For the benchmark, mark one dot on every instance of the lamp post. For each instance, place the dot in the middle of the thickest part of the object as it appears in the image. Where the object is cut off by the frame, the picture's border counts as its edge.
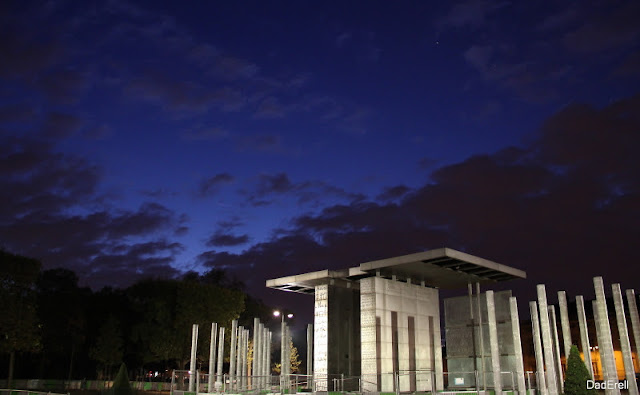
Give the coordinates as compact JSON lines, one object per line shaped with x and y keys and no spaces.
{"x":284,"y":343}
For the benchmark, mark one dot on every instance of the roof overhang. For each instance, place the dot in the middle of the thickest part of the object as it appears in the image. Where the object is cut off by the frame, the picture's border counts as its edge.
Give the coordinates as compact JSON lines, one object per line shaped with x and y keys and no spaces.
{"x":440,"y":268}
{"x":443,"y":268}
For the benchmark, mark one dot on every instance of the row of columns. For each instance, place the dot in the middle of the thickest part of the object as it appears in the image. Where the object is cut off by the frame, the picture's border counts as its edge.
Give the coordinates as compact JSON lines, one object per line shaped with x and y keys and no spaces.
{"x":238,"y":358}
{"x":547,"y":347}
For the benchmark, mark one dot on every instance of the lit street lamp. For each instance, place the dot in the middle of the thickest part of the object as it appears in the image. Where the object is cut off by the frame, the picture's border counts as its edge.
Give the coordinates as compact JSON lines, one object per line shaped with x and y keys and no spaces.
{"x":284,"y":354}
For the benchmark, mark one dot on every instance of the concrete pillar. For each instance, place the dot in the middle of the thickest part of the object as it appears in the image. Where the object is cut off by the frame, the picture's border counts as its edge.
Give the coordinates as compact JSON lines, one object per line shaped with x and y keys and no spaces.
{"x":257,"y":355}
{"x":268,"y":363}
{"x":232,"y":353}
{"x":483,"y":370}
{"x":265,"y":356}
{"x":239,"y":357}
{"x":537,"y":347}
{"x":493,"y":343}
{"x":309,"y":351}
{"x":245,"y":350}
{"x":556,"y":347}
{"x":517,"y":345}
{"x":192,"y":364}
{"x":283,"y":353}
{"x":584,"y":334}
{"x":212,"y":356}
{"x":635,"y":321}
{"x":547,"y":342}
{"x":606,"y":346}
{"x":220,"y":358}
{"x":254,"y":370}
{"x":625,"y":345}
{"x":564,"y":322}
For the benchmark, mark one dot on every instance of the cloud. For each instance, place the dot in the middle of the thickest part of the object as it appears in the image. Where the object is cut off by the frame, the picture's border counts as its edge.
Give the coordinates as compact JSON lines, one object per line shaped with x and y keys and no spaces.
{"x":54,"y":212}
{"x":60,"y":125}
{"x":219,"y":239}
{"x":63,"y":86}
{"x":211,"y":185}
{"x":469,"y":13}
{"x":608,"y":29}
{"x":567,"y":203}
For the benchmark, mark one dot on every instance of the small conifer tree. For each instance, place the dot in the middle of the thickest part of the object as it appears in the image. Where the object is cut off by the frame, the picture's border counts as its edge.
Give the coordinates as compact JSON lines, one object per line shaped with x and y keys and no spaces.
{"x":121,"y":385}
{"x":575,"y":382}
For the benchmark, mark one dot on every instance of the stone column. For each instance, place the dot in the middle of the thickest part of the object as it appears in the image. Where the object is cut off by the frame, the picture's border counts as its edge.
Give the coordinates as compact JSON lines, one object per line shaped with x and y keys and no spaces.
{"x":606,"y":346}
{"x":258,"y":352}
{"x":192,"y":364}
{"x":556,"y":346}
{"x":254,"y":370}
{"x":483,"y":370}
{"x":309,"y":351}
{"x":320,"y":337}
{"x":584,"y":334}
{"x":547,"y":342}
{"x":537,"y":347}
{"x":219,"y":378}
{"x":268,"y":363}
{"x":517,"y":345}
{"x":245,"y":350}
{"x":212,"y":357}
{"x":625,"y":345}
{"x":564,"y":322}
{"x":493,"y":343}
{"x":239,"y":358}
{"x":635,"y":321}
{"x":232,"y":353}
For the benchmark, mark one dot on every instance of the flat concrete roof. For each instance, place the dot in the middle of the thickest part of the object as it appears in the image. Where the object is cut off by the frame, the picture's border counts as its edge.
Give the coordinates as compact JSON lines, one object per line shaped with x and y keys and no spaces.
{"x":440,"y":268}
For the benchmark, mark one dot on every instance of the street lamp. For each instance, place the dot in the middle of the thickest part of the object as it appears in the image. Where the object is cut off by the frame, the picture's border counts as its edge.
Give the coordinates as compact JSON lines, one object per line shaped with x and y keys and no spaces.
{"x":284,"y":352}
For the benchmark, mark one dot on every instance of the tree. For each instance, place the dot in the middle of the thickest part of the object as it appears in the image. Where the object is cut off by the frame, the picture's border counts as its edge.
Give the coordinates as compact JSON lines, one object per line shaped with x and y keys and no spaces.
{"x":121,"y":385}
{"x":294,"y":360}
{"x":62,"y":313}
{"x":577,"y":375}
{"x":19,"y":330}
{"x":108,"y":349}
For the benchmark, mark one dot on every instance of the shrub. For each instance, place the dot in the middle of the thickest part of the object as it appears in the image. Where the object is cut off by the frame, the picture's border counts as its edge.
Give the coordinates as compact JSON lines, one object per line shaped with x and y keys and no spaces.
{"x":577,"y":375}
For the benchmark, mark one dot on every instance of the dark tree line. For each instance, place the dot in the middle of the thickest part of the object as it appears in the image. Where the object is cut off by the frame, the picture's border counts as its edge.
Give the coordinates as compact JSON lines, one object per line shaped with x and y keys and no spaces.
{"x":51,"y":328}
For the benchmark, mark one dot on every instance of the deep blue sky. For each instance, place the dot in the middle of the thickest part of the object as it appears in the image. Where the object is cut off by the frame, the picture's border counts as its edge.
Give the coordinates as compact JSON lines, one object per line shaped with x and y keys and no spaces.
{"x":272,"y":138}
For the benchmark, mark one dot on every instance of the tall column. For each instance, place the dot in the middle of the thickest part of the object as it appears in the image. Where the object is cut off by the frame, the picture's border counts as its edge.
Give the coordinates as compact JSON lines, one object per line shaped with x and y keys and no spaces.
{"x":283,"y":335}
{"x":257,"y":354}
{"x":219,"y":378}
{"x":606,"y":346}
{"x":232,"y":353}
{"x":556,"y":346}
{"x":254,"y":370}
{"x":537,"y":347}
{"x":239,"y":358}
{"x":584,"y":334}
{"x":481,"y":340}
{"x":564,"y":322}
{"x":245,"y":351}
{"x":309,"y":351}
{"x":192,"y":364}
{"x":265,"y":356}
{"x":635,"y":321}
{"x":267,"y":365}
{"x":212,"y":357}
{"x":547,"y":342}
{"x":493,"y":343}
{"x":517,"y":345}
{"x":625,"y":345}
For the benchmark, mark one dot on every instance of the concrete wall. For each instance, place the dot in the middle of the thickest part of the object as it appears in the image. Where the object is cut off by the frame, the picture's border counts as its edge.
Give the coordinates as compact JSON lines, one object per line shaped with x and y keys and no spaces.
{"x":336,"y":334}
{"x":390,"y":312}
{"x":463,"y":343}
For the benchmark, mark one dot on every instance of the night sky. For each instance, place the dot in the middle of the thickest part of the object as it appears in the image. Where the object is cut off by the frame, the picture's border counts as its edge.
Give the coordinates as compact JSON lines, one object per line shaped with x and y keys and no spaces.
{"x":273,"y":138}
